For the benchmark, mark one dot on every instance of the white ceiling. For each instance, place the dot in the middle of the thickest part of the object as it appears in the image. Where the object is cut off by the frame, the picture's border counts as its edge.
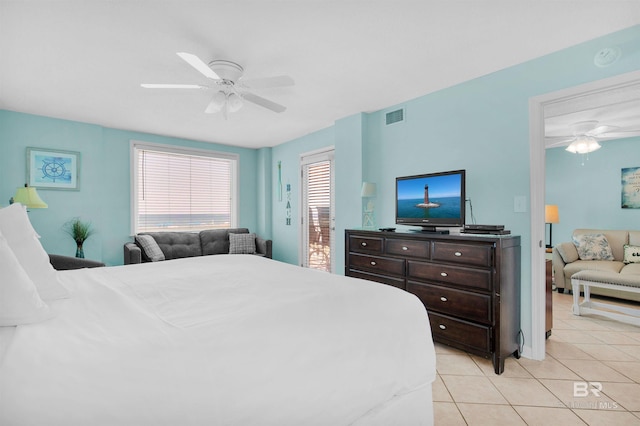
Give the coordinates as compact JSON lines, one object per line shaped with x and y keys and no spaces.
{"x":84,"y":60}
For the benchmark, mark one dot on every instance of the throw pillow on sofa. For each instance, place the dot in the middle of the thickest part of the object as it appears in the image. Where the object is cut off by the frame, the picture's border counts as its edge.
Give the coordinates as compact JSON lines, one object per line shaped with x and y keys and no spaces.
{"x":150,"y":247}
{"x":593,"y":247}
{"x":631,"y":254}
{"x":242,"y":243}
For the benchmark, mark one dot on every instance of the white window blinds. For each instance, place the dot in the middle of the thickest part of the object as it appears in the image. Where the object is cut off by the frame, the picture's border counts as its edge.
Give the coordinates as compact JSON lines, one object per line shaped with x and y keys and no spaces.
{"x":317,"y":193}
{"x":182,"y":190}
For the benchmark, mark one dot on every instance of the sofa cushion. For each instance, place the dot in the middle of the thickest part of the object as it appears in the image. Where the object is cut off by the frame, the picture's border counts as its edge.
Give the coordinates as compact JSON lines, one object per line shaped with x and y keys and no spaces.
{"x":593,"y":247}
{"x":242,"y":243}
{"x":631,"y":254}
{"x":150,"y":248}
{"x":176,"y":245}
{"x":216,"y":241}
{"x":634,"y":238}
{"x":598,"y":265}
{"x":631,"y":269}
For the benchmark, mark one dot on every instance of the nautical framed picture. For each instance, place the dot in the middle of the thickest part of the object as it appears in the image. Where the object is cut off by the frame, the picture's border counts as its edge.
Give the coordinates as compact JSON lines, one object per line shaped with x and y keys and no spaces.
{"x":630,"y":188}
{"x":53,"y":169}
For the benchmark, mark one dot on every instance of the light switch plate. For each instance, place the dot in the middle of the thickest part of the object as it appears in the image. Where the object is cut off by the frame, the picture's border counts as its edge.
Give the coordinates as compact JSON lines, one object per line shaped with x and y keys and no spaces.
{"x":520,"y":204}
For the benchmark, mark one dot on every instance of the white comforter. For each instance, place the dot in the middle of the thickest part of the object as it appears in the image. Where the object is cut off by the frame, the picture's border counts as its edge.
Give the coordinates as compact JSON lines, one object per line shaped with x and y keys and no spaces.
{"x":216,"y":340}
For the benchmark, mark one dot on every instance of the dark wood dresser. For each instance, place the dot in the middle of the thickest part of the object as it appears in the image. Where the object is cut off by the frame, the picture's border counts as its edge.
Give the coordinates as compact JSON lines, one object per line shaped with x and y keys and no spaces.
{"x":470,"y":284}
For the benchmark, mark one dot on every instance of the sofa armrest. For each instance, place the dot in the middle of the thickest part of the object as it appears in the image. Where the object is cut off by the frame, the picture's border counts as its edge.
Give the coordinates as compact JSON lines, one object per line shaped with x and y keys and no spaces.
{"x":263,"y":247}
{"x":62,"y":263}
{"x":132,"y":254}
{"x":563,"y":254}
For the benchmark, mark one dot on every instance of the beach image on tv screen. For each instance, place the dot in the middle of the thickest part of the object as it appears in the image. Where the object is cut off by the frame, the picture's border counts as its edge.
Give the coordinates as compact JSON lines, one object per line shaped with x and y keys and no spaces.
{"x":429,"y":197}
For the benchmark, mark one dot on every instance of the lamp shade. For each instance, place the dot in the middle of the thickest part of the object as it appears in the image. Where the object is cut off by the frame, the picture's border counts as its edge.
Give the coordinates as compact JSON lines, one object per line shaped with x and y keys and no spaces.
{"x":28,"y":196}
{"x":368,"y":190}
{"x":551,"y":214}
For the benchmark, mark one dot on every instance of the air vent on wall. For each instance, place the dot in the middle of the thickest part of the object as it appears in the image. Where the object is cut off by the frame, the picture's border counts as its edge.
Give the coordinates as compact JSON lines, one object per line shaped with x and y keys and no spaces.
{"x":395,"y":116}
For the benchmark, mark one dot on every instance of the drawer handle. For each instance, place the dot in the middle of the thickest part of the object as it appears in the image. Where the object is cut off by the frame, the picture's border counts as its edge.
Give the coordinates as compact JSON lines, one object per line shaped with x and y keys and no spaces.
{"x":373,"y":263}
{"x":442,"y":327}
{"x":443,"y":274}
{"x":458,"y":254}
{"x":442,"y":298}
{"x":405,"y":248}
{"x":363,"y":244}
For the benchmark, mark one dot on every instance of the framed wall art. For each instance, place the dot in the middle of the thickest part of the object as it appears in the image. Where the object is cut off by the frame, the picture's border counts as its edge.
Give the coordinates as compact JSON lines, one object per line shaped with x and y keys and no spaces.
{"x":630,"y":188}
{"x":53,"y":169}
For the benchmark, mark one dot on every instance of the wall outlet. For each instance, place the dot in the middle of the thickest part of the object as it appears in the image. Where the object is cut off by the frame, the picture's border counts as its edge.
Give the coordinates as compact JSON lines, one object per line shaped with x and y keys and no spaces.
{"x":520,"y":204}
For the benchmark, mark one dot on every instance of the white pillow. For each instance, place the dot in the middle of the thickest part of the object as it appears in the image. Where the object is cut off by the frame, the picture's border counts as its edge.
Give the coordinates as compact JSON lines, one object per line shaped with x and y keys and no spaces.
{"x":19,"y":299}
{"x":23,"y":241}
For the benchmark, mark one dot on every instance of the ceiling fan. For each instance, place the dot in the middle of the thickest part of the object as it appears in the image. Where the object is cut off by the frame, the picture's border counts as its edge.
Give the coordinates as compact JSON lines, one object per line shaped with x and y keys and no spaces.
{"x":231,"y":88}
{"x":586,"y":134}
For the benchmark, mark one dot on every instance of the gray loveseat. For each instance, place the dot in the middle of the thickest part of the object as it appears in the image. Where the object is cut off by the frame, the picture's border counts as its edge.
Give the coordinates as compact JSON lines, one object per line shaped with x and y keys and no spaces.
{"x":175,"y":245}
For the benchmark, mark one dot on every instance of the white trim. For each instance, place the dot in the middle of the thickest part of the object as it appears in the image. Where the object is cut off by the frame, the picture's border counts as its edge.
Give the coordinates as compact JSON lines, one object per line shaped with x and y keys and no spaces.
{"x":537,"y":107}
{"x":174,"y":149}
{"x":306,"y":158}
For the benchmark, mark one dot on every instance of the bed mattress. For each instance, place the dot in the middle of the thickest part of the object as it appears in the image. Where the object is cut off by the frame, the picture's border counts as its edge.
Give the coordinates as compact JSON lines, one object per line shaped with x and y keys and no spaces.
{"x":224,"y":340}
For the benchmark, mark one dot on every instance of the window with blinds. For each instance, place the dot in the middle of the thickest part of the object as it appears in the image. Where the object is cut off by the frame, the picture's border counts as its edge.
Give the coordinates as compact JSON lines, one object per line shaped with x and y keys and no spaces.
{"x":178,"y":189}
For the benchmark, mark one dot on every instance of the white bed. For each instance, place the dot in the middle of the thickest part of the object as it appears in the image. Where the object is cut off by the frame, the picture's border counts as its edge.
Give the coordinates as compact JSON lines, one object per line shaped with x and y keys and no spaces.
{"x":219,"y":340}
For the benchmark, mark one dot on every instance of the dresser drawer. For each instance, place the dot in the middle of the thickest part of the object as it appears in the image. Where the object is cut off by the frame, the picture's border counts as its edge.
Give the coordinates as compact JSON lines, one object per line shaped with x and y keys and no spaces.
{"x":467,"y":254}
{"x":380,"y":265}
{"x":459,"y":303}
{"x":396,"y":282}
{"x":407,"y":248}
{"x":447,"y":329}
{"x":434,"y":272}
{"x":365,"y":244}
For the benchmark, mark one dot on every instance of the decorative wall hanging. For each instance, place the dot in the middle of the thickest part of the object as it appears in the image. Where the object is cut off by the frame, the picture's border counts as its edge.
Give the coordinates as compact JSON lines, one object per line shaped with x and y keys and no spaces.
{"x":279,"y":180}
{"x":288,"y":208}
{"x":53,"y":169}
{"x":630,"y":188}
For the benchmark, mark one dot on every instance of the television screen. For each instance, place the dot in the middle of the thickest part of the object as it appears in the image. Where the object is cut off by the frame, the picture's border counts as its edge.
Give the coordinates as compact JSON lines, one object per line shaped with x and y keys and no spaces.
{"x":430,"y":200}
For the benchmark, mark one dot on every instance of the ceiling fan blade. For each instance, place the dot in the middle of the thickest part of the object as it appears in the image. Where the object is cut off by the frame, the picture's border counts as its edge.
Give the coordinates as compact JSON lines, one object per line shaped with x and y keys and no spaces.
{"x":601,"y":129}
{"x":265,"y":103}
{"x":554,"y":143}
{"x":620,"y":135}
{"x":172,"y":86}
{"x":198,"y":64}
{"x":267,"y":82}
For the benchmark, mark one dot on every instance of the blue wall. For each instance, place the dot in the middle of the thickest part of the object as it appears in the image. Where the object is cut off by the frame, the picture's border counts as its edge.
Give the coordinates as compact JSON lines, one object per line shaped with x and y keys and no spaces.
{"x":104,"y":195}
{"x":589,"y":195}
{"x":480,"y":125}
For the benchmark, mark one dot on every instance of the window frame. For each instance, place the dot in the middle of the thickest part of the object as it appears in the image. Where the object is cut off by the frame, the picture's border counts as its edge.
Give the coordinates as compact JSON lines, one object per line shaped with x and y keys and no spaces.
{"x":137,"y":146}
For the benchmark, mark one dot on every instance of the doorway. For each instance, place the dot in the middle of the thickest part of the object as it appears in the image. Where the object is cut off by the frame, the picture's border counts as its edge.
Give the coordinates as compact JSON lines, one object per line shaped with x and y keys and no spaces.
{"x":539,"y":107}
{"x":318,"y":210}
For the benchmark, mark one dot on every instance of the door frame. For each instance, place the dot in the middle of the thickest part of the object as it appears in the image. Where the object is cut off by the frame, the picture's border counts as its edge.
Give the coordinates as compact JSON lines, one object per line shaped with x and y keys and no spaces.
{"x":537,"y":107}
{"x":330,"y":150}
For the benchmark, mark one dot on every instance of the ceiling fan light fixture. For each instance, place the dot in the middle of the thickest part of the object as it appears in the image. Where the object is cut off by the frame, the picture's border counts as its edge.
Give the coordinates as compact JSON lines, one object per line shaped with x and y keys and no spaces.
{"x":217,"y":102}
{"x":234,"y":102}
{"x":583,"y":145}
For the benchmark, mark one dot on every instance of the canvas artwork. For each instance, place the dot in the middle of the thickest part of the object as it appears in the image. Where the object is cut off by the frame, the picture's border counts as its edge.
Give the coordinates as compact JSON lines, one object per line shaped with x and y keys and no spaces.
{"x":53,"y":169}
{"x":630,"y":188}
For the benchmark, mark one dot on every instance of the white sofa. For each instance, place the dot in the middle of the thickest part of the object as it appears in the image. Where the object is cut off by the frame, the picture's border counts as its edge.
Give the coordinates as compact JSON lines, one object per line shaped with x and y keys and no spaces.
{"x":567,"y":262}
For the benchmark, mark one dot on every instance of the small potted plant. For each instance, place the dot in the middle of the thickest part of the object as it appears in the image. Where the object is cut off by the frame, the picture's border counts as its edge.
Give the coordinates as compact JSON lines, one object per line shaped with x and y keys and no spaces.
{"x":79,"y":231}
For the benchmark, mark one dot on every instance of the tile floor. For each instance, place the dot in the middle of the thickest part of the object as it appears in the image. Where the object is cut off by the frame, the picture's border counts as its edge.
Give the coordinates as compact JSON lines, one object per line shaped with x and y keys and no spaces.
{"x":581,"y":350}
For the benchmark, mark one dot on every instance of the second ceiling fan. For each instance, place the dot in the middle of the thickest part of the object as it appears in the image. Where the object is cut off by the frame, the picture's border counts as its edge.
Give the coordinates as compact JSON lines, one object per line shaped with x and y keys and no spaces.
{"x":231,"y":88}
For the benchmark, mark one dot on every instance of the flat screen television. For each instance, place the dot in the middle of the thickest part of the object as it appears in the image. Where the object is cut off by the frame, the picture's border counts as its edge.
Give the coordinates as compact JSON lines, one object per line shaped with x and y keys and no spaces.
{"x":431,"y":200}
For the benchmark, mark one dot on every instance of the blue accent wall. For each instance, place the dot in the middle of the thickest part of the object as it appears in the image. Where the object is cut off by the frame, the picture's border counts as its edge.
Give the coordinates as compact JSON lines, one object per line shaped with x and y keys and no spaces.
{"x":589,"y":195}
{"x":480,"y":125}
{"x":104,"y":195}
